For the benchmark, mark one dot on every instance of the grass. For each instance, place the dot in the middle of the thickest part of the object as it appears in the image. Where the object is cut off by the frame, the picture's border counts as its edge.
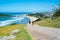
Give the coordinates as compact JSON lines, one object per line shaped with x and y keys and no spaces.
{"x":22,"y":35}
{"x":55,"y":23}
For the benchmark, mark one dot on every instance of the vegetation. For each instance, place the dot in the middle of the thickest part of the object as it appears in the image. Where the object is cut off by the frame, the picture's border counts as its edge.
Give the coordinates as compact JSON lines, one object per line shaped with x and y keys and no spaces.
{"x":49,"y":23}
{"x":56,"y":12}
{"x":48,"y":19}
{"x":22,"y":35}
{"x":54,"y":21}
{"x":40,"y":16}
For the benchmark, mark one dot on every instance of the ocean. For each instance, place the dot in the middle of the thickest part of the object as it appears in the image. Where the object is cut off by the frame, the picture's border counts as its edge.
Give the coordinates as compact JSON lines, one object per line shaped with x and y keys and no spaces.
{"x":18,"y":18}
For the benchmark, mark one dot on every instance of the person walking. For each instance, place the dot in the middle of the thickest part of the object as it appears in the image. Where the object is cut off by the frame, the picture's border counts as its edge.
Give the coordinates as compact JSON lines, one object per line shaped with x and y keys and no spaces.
{"x":32,"y":19}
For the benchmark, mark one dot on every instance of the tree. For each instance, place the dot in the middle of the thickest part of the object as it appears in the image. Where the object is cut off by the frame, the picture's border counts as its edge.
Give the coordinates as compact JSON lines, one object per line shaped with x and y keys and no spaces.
{"x":38,"y":15}
{"x":57,"y":12}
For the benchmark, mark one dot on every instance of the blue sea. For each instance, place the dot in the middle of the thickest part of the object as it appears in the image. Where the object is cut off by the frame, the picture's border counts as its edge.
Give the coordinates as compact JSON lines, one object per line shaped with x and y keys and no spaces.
{"x":23,"y":21}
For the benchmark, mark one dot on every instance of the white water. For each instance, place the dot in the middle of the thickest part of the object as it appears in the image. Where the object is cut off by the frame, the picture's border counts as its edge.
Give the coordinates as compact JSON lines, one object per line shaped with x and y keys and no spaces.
{"x":18,"y":17}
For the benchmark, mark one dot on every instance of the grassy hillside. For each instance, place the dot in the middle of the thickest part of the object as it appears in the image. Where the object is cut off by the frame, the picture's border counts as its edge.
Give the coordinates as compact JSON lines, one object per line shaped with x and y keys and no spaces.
{"x":50,"y":23}
{"x":22,"y":35}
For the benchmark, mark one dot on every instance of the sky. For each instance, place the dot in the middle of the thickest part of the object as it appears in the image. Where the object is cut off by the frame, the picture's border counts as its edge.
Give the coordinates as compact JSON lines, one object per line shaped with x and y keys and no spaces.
{"x":27,"y":5}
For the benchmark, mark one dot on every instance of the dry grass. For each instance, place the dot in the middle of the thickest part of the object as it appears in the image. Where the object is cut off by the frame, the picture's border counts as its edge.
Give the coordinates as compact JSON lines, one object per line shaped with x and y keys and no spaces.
{"x":55,"y":23}
{"x":6,"y":30}
{"x":21,"y":35}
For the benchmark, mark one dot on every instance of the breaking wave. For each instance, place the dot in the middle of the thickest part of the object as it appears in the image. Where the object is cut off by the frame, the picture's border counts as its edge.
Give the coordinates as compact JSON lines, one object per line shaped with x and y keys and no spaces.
{"x":14,"y":19}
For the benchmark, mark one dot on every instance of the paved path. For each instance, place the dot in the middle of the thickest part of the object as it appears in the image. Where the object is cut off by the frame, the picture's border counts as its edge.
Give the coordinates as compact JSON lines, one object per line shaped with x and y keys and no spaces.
{"x":43,"y":33}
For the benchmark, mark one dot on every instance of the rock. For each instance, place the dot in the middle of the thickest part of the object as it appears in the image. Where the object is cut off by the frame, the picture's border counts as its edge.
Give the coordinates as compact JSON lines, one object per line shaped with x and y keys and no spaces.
{"x":14,"y":31}
{"x":11,"y":37}
{"x":5,"y":38}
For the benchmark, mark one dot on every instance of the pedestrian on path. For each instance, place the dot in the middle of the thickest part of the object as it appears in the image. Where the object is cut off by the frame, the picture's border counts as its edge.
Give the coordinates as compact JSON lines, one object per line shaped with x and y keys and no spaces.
{"x":32,"y":19}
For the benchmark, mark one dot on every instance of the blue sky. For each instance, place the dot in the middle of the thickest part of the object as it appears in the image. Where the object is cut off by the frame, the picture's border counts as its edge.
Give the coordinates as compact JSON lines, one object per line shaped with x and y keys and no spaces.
{"x":27,"y":5}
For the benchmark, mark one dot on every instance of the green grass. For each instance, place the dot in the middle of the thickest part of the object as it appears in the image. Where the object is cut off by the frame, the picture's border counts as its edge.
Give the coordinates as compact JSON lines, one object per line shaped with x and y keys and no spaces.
{"x":55,"y":23}
{"x":22,"y":35}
